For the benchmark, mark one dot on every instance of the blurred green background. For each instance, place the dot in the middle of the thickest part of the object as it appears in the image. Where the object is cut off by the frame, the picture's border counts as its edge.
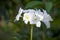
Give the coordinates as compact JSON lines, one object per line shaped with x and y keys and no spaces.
{"x":10,"y":30}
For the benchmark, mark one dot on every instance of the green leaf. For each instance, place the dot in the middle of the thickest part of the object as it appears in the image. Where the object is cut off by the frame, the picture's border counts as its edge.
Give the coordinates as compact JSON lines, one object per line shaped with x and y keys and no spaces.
{"x":33,"y":4}
{"x":48,"y":6}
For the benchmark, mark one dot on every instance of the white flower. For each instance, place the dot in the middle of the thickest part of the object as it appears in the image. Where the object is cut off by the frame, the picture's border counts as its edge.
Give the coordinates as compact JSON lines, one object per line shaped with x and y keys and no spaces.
{"x":27,"y":17}
{"x":35,"y":20}
{"x":40,"y":14}
{"x":47,"y":18}
{"x":19,"y":14}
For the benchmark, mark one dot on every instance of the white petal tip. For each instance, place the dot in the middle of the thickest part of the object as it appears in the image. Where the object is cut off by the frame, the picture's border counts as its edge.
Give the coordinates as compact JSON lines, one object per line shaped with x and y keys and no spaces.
{"x":38,"y":24}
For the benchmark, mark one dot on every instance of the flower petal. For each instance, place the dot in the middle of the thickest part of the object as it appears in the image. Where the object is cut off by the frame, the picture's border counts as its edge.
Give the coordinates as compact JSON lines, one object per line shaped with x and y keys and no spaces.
{"x":47,"y":23}
{"x":26,"y":22}
{"x":47,"y":17}
{"x":50,"y":18}
{"x":20,"y":10}
{"x":38,"y":24}
{"x":19,"y":14}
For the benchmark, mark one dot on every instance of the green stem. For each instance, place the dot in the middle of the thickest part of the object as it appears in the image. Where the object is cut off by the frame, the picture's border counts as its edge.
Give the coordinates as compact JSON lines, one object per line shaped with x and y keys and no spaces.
{"x":31,"y":36}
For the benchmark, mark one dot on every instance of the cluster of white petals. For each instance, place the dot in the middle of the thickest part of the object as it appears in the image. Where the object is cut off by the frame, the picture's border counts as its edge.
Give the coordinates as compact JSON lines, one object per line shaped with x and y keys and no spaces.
{"x":34,"y":17}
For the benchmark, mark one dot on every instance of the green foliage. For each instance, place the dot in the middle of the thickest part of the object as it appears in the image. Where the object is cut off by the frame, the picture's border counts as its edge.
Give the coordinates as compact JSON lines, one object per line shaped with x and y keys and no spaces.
{"x":32,"y":4}
{"x":48,"y":6}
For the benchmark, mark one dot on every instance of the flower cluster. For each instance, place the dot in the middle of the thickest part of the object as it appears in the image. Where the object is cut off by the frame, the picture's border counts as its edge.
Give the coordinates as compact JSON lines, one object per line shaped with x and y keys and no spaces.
{"x":34,"y":17}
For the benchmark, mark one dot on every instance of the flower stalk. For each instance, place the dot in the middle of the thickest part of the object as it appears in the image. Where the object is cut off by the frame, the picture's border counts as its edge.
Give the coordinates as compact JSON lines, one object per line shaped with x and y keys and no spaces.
{"x":31,"y":33}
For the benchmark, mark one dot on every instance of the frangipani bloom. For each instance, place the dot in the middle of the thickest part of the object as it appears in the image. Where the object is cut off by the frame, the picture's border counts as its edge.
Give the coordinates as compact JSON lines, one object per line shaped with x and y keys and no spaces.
{"x":19,"y":14}
{"x":47,"y":18}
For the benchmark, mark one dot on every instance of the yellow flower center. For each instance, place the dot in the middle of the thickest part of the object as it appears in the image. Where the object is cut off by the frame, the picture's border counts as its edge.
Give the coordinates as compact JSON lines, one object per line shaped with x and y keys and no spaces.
{"x":27,"y":17}
{"x":35,"y":18}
